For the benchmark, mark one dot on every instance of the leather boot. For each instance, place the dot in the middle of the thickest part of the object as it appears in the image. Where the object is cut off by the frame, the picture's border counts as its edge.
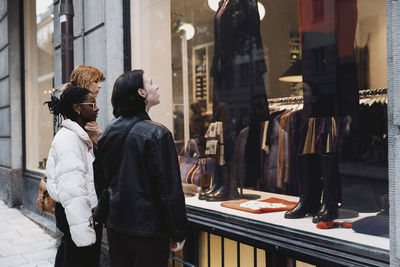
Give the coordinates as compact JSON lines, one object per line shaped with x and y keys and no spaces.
{"x":228,"y":190}
{"x":332,"y":189}
{"x":216,"y":184}
{"x":309,"y":170}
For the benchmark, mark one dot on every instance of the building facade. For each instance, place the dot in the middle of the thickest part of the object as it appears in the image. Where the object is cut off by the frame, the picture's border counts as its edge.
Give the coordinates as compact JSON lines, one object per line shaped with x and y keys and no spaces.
{"x":226,"y":62}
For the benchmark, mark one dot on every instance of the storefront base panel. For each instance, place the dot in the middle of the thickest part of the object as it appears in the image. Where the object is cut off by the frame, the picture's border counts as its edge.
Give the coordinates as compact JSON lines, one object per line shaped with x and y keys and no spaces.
{"x":10,"y":186}
{"x":30,"y":187}
{"x":5,"y":175}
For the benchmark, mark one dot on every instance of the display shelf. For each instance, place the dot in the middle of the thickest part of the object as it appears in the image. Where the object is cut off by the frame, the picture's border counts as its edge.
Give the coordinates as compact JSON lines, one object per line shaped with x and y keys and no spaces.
{"x":201,"y":69}
{"x":297,"y":238}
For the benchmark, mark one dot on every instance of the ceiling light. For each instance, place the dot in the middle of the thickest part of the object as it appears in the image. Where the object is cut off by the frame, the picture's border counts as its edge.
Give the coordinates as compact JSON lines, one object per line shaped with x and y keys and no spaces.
{"x":261,"y":10}
{"x":188,"y":29}
{"x":213,"y":4}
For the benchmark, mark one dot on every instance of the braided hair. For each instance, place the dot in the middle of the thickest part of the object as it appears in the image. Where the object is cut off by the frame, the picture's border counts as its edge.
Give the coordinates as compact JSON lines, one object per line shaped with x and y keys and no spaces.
{"x":63,"y":106}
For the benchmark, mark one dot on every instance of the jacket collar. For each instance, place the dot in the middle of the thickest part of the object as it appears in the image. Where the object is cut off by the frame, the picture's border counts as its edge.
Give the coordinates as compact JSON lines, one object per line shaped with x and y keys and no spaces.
{"x":141,"y":116}
{"x":144,"y":116}
{"x":73,"y":126}
{"x":120,"y":121}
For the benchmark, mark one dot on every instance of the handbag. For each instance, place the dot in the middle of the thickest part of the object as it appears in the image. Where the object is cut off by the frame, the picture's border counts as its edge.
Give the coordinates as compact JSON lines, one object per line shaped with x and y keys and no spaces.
{"x":44,"y":202}
{"x":196,"y":170}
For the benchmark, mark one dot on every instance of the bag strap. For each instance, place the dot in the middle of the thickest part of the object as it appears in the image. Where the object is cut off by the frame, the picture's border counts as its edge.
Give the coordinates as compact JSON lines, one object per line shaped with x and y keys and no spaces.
{"x":203,"y":162}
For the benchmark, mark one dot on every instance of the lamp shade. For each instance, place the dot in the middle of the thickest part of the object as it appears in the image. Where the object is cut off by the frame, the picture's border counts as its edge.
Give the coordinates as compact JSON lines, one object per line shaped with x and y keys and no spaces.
{"x":293,"y":73}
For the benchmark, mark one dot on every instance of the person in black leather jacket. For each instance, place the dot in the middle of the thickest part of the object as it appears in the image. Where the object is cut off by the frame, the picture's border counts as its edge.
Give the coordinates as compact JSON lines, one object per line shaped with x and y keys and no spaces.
{"x":137,"y":163}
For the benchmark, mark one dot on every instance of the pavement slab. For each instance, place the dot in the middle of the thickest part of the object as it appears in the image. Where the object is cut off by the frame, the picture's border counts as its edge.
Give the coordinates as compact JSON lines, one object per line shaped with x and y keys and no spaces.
{"x":40,"y":255}
{"x":37,"y":264}
{"x":23,"y":242}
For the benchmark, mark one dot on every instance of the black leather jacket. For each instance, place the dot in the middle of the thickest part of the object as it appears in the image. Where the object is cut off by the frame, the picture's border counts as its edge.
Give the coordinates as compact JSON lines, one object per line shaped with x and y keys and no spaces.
{"x":137,"y":160}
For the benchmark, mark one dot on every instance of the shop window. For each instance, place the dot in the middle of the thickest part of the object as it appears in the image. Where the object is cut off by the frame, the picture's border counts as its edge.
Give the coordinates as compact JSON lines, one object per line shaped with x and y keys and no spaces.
{"x":260,"y":71}
{"x":244,"y":74}
{"x":319,"y":60}
{"x":318,"y":10}
{"x":239,"y":62}
{"x":39,"y":81}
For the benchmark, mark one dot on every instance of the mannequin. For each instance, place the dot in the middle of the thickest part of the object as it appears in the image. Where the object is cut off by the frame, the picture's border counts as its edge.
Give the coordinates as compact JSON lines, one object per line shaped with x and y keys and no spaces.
{"x":327,"y":33}
{"x":237,"y":68}
{"x":329,"y":68}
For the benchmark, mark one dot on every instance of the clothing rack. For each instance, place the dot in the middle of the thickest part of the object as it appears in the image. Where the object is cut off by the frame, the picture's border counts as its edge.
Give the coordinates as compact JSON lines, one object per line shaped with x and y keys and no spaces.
{"x":372,"y":92}
{"x":286,"y":100}
{"x":299,"y":99}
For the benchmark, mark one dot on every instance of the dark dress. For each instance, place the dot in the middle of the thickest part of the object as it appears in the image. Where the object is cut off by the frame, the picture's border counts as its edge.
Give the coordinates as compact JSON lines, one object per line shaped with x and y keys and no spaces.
{"x":238,"y":65}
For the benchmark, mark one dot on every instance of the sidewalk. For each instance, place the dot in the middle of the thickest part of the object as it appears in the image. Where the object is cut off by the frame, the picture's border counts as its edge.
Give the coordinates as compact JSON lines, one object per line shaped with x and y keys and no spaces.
{"x":22,"y":242}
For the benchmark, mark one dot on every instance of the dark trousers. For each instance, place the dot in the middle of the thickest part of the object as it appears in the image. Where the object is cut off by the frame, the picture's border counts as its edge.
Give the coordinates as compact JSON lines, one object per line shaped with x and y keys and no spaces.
{"x":68,"y":254}
{"x":137,"y":251}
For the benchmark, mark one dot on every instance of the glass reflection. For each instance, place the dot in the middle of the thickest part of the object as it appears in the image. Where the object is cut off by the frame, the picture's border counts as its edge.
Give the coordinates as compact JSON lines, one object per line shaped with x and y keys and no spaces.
{"x":316,"y":117}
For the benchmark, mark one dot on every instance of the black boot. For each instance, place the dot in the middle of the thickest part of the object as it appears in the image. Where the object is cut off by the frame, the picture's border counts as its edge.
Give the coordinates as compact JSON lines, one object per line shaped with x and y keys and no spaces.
{"x":216,"y":184}
{"x":228,"y":190}
{"x":332,"y":189}
{"x":309,"y":171}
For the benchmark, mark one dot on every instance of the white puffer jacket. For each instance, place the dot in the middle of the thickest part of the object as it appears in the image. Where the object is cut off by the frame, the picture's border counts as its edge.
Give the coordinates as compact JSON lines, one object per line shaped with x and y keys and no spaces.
{"x":69,"y":173}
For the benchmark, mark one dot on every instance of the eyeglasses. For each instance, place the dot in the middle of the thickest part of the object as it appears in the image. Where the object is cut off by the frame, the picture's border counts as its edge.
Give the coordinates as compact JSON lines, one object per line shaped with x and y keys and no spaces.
{"x":94,"y":105}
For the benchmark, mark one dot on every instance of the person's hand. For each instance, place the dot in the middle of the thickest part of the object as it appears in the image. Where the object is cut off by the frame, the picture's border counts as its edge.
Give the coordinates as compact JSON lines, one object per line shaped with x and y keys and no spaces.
{"x":177,"y":246}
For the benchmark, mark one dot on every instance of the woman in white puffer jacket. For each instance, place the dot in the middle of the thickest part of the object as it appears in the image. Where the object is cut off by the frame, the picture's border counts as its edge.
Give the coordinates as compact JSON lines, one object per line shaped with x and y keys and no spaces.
{"x":69,"y":173}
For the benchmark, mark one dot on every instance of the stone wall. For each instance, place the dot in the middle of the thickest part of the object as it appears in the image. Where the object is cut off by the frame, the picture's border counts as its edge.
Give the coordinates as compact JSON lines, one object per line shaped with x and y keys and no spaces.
{"x":5,"y":140}
{"x":10,"y":104}
{"x":98,"y":41}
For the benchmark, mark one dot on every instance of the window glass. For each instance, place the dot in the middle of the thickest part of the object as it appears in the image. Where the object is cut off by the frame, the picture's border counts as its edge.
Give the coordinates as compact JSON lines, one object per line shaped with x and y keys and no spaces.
{"x":39,"y":73}
{"x":275,"y":92}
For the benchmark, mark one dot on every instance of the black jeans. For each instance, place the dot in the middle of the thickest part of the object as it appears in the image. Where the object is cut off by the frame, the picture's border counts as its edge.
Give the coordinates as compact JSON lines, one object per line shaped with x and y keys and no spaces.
{"x":137,"y":251}
{"x":68,"y":254}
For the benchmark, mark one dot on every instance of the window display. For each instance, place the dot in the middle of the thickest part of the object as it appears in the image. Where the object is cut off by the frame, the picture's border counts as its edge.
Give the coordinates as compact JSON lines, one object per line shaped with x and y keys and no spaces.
{"x":287,"y":97}
{"x":328,"y":44}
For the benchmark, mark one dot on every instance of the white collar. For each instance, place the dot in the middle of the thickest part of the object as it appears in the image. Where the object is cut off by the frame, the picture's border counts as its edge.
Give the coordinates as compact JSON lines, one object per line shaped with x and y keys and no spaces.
{"x":77,"y":129}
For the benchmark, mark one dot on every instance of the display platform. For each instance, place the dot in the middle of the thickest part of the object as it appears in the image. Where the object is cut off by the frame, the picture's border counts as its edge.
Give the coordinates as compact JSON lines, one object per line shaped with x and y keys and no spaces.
{"x":297,"y":238}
